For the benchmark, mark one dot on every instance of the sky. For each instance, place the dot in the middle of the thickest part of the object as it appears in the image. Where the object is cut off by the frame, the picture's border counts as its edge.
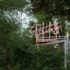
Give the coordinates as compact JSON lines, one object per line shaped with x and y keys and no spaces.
{"x":24,"y":17}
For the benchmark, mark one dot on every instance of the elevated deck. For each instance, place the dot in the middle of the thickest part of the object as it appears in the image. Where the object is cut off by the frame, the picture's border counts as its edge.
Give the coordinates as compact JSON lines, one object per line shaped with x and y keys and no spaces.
{"x":51,"y":40}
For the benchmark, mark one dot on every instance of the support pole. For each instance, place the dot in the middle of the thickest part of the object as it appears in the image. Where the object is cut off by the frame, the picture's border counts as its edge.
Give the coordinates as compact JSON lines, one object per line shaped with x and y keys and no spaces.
{"x":36,"y":34}
{"x":43,"y":32}
{"x":65,"y":55}
{"x":49,"y":29}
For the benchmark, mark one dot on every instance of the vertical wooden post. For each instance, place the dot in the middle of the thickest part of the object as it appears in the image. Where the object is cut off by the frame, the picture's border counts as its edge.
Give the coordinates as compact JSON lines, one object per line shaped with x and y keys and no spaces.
{"x":56,"y":28}
{"x":56,"y":31}
{"x":49,"y":29}
{"x":36,"y":34}
{"x":43,"y":32}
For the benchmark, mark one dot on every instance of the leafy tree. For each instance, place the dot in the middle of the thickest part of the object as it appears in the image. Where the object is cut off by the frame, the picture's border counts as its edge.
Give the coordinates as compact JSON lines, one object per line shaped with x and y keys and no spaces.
{"x":17,"y":50}
{"x":12,"y":5}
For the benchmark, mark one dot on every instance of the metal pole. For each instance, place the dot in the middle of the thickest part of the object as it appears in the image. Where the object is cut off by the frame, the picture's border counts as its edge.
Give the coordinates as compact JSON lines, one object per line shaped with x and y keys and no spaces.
{"x":66,"y":44}
{"x":65,"y":55}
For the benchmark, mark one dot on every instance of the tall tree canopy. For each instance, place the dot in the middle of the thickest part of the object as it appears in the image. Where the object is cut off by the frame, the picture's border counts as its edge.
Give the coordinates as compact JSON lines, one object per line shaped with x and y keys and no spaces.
{"x":17,"y":46}
{"x":12,"y":4}
{"x":52,"y":7}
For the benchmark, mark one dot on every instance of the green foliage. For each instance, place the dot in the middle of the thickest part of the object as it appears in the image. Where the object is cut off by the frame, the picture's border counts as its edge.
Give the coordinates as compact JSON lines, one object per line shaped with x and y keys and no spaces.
{"x":17,"y":46}
{"x":53,"y":7}
{"x":12,"y":4}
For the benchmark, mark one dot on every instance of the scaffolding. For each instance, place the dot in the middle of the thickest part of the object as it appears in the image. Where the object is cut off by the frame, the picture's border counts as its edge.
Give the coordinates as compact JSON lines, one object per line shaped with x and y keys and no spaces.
{"x":47,"y":34}
{"x":50,"y":34}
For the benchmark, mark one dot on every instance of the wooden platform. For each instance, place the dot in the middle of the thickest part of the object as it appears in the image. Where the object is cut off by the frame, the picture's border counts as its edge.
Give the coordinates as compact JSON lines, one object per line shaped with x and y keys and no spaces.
{"x":51,"y":40}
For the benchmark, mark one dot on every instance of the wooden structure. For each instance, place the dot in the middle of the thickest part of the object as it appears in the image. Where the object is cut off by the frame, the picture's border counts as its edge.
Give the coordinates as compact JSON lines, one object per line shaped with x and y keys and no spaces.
{"x":50,"y":34}
{"x":46,"y":33}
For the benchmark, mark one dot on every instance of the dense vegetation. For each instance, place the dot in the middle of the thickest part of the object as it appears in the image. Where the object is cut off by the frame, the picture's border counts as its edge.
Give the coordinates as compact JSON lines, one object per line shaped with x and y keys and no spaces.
{"x":17,"y":47}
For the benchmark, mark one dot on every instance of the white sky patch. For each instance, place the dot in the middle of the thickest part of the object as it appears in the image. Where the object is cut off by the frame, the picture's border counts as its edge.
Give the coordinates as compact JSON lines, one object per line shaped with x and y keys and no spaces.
{"x":25,"y":19}
{"x":29,"y":1}
{"x":22,"y":17}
